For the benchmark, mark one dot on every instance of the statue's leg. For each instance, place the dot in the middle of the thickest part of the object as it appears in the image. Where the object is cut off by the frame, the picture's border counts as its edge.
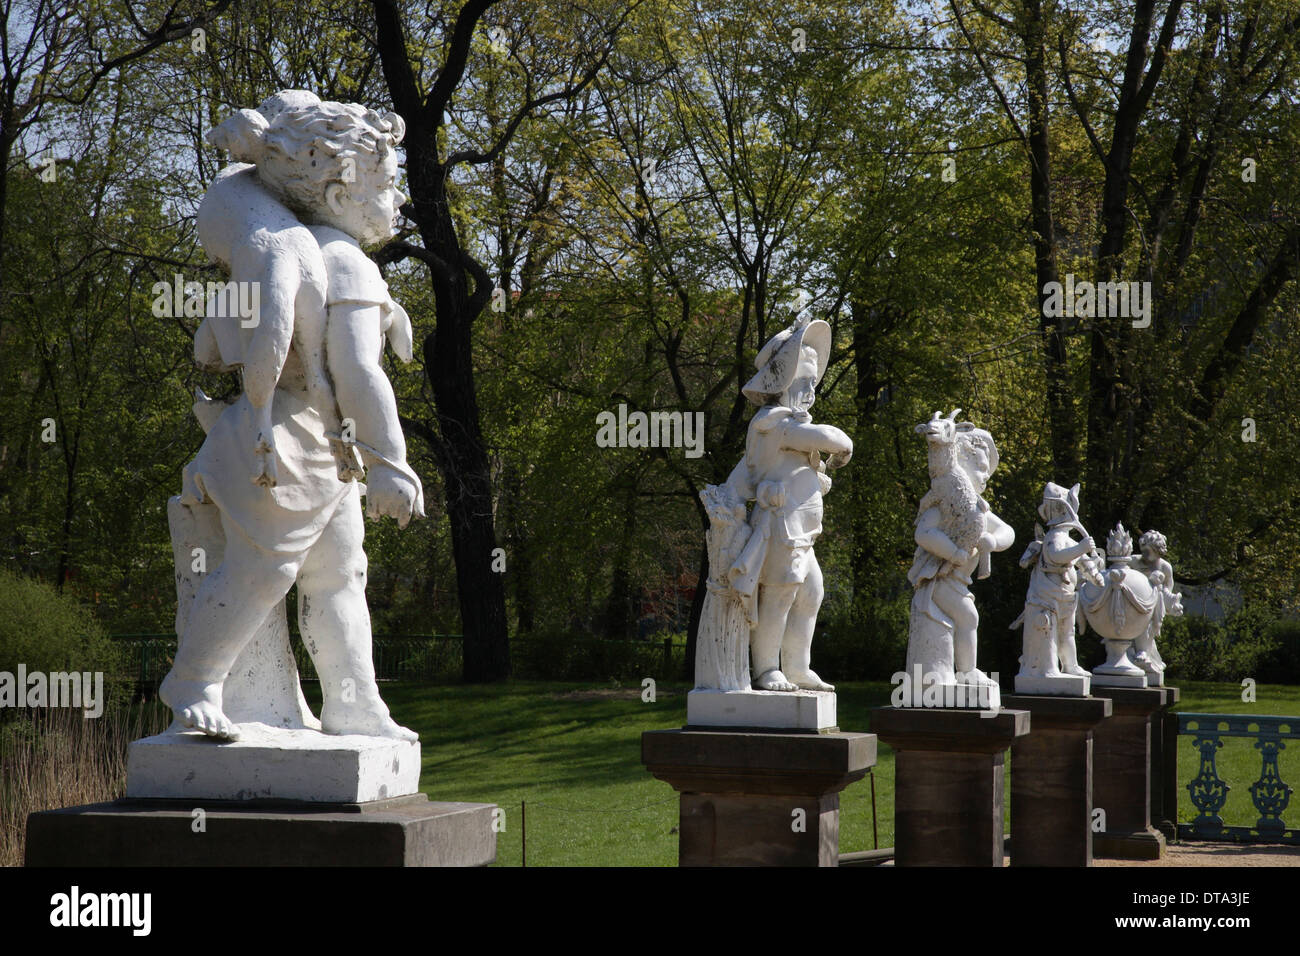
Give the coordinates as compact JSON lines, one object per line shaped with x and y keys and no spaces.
{"x":774,"y":601}
{"x":230,"y":606}
{"x":956,"y":601}
{"x":335,"y":624}
{"x":796,"y":649}
{"x":1066,"y":647}
{"x":1039,"y":644}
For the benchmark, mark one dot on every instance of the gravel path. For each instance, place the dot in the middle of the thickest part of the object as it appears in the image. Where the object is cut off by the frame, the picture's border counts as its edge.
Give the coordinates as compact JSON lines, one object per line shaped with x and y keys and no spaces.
{"x":1217,"y":854}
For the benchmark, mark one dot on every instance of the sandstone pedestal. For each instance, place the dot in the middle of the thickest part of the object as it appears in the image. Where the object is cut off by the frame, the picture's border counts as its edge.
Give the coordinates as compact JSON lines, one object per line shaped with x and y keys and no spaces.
{"x":753,"y":798}
{"x":406,"y":831}
{"x":1121,"y":751}
{"x":948,"y":782}
{"x":1052,"y":781}
{"x":1164,"y":765}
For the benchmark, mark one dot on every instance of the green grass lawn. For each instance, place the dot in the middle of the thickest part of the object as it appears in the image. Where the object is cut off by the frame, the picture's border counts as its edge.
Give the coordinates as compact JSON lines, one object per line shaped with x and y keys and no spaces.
{"x":572,"y":753}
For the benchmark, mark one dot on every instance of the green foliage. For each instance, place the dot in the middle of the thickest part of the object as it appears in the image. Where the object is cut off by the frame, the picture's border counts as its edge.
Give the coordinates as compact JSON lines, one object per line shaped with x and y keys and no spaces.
{"x":49,"y":632}
{"x":868,"y":642}
{"x":1244,"y":645}
{"x":1282,"y":663}
{"x":565,"y":656}
{"x":774,"y":169}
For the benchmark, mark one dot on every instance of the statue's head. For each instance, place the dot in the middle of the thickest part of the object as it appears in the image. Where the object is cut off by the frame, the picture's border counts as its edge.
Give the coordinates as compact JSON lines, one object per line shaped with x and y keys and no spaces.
{"x":977,"y":453}
{"x":331,"y":163}
{"x":790,"y":365}
{"x":1153,"y":545}
{"x":1059,"y":503}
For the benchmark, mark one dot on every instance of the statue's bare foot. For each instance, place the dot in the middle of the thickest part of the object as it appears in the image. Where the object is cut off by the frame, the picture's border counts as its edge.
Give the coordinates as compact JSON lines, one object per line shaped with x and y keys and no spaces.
{"x":978,"y":678}
{"x":350,"y":719}
{"x":773,"y":680}
{"x":809,"y":680}
{"x":198,"y":706}
{"x":1077,"y":671}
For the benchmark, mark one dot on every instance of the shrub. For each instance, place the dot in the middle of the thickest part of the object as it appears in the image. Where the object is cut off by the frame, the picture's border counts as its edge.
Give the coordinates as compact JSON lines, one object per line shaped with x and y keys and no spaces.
{"x":1196,"y":648}
{"x":54,"y":758}
{"x":574,"y":656}
{"x":862,"y":645}
{"x":48,"y":631}
{"x":1281,"y":665}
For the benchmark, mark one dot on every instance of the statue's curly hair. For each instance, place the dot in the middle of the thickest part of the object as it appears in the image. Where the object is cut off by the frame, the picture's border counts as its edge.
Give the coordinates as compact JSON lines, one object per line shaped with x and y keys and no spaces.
{"x":1154,"y":539}
{"x":301,"y":144}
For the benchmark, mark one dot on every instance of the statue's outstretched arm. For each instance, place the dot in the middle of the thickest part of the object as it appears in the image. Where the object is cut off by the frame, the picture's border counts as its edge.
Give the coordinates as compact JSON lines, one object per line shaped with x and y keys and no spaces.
{"x":1002,"y":534}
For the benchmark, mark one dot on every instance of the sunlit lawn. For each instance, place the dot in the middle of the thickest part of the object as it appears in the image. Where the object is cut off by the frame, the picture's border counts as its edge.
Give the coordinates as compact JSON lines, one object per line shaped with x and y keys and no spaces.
{"x":571,"y":753}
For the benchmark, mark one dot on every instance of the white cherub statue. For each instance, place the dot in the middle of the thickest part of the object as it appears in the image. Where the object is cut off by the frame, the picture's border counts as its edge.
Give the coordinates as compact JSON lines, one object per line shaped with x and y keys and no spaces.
{"x":1050,"y":662}
{"x":765,"y":584}
{"x":274,"y":490}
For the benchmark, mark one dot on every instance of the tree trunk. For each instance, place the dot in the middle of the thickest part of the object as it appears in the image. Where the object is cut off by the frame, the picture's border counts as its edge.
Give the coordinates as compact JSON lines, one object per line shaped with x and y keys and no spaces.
{"x":1064,"y":440}
{"x":463,"y":456}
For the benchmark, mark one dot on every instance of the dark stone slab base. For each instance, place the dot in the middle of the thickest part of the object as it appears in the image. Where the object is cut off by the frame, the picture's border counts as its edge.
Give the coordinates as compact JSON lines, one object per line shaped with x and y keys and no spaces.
{"x":1164,"y":765}
{"x":1122,"y":759}
{"x":1146,"y":845}
{"x":948,"y":782}
{"x":1051,"y":780}
{"x":405,"y":831}
{"x":756,"y":798}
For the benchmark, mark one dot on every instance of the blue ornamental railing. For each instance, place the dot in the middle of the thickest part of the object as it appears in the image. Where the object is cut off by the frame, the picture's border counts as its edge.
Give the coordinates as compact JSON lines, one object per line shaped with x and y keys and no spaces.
{"x":1209,"y":792}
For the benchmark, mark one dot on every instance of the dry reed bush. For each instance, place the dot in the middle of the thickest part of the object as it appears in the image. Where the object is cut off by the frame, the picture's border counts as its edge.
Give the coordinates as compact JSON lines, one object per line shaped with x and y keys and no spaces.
{"x":54,"y":757}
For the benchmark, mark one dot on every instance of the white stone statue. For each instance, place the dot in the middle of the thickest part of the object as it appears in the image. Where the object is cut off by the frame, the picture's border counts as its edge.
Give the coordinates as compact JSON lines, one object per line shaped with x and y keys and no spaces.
{"x":1050,"y":662}
{"x":765,"y":586}
{"x":955,"y":534}
{"x":1169,"y":603}
{"x":273,"y":498}
{"x":1118,"y":602}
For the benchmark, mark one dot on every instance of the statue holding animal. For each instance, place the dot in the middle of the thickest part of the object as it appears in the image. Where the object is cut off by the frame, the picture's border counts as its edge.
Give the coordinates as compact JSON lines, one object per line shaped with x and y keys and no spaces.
{"x":273,"y":499}
{"x":956,"y":532}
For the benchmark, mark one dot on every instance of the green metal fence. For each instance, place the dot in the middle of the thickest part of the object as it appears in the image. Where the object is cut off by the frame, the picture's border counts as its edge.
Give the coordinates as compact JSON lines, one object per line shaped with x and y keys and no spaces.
{"x":1269,"y":793}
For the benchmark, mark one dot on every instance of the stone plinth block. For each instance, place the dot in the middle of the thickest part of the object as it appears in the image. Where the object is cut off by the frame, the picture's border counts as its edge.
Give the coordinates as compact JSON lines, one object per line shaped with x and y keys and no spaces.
{"x":1121,"y":759}
{"x":758,"y":799}
{"x":761,"y":709}
{"x":407,"y":831}
{"x":1064,"y":685}
{"x":272,"y":763}
{"x":1051,"y":780}
{"x":948,"y":782}
{"x":1164,"y":765}
{"x":1118,"y":680}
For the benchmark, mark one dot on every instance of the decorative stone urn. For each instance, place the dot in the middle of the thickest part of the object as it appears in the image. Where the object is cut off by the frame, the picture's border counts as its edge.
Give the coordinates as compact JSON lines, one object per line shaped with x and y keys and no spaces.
{"x":1119,"y":609}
